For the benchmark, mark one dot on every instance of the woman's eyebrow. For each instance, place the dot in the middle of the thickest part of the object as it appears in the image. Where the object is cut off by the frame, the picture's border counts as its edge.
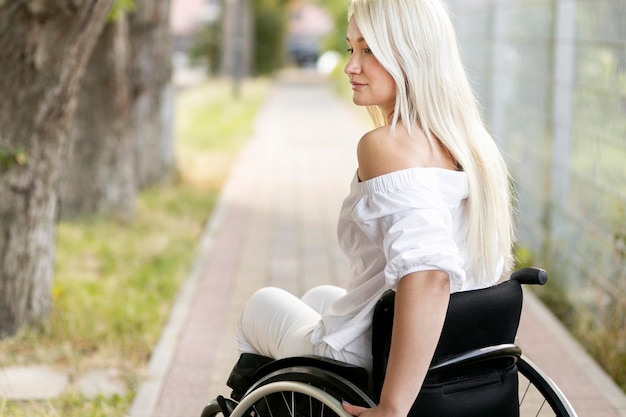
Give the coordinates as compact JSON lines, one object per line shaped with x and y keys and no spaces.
{"x":360,"y":40}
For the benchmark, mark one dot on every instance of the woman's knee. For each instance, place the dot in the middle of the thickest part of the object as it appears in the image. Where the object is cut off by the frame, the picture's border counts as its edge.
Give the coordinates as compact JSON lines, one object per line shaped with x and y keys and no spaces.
{"x":321,"y":297}
{"x":273,"y":319}
{"x":253,"y":317}
{"x":261,"y":301}
{"x":266,"y":294}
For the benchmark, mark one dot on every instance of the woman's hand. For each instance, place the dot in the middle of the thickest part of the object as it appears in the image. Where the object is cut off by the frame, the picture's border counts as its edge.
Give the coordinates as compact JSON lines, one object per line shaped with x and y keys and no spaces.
{"x":353,"y":410}
{"x":357,"y":411}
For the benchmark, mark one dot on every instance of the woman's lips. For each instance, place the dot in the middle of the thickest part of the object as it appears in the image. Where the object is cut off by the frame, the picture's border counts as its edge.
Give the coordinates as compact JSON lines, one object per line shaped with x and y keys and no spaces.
{"x":357,"y":86}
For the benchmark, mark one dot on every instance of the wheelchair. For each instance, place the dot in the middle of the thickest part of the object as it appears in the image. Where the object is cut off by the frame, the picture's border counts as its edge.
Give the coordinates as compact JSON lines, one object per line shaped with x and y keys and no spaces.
{"x":477,"y":369}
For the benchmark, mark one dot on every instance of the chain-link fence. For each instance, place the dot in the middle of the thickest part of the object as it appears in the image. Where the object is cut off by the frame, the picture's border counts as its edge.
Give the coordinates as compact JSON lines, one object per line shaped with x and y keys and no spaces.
{"x":551,"y":75}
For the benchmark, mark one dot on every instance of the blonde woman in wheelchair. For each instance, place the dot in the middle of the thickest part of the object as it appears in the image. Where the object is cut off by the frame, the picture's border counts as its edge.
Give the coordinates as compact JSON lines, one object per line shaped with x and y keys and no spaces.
{"x":429,"y":212}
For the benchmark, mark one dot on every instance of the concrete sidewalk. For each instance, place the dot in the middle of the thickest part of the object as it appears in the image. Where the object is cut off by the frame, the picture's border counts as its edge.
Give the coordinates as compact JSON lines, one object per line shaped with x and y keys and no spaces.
{"x":275,"y":225}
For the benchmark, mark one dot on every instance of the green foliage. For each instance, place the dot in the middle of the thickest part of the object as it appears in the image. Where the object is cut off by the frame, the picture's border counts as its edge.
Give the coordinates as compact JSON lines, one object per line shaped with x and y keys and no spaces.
{"x":9,"y":159}
{"x":595,"y":331}
{"x":120,"y":8}
{"x":207,"y":46}
{"x":338,"y":10}
{"x":270,"y":23}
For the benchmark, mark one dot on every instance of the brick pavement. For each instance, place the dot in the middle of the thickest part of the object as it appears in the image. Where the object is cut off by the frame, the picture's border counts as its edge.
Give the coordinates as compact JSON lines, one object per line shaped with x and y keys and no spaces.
{"x":275,"y":225}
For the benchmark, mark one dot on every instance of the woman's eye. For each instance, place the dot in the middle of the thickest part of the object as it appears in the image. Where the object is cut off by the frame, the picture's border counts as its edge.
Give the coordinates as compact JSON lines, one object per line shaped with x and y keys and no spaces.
{"x":366,"y":51}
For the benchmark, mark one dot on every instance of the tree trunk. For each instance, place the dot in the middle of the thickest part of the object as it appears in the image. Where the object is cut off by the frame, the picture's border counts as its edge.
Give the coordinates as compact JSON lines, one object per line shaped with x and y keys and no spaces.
{"x":237,"y":32}
{"x":99,"y":176}
{"x":152,"y":109}
{"x":44,"y":47}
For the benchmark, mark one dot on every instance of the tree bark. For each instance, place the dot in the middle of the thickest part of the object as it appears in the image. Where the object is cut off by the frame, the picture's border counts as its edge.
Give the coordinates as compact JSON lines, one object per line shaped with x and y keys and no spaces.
{"x":152,"y":91}
{"x":44,"y":47}
{"x":237,"y":32}
{"x":99,"y":175}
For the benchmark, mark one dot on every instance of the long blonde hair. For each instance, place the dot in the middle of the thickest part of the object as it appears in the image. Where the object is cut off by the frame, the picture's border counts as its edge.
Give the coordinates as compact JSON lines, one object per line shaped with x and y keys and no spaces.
{"x":415,"y":42}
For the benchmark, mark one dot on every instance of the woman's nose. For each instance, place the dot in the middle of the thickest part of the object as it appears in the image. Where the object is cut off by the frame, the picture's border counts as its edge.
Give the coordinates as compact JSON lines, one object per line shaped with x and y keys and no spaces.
{"x":352,"y":66}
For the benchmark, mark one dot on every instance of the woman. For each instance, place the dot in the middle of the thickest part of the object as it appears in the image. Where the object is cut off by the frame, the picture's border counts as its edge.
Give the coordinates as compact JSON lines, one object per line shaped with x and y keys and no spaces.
{"x":429,"y":209}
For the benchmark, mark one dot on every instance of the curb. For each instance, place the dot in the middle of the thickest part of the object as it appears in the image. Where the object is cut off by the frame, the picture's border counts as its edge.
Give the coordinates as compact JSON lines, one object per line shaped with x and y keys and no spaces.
{"x":147,"y":397}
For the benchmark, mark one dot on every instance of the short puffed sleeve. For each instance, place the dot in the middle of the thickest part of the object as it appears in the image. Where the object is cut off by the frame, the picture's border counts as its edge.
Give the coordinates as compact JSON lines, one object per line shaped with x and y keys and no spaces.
{"x":416,"y":215}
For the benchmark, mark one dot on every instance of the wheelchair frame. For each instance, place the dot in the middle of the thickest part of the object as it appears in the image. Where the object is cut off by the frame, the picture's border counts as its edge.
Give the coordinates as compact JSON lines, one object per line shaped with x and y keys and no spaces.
{"x":314,"y":386}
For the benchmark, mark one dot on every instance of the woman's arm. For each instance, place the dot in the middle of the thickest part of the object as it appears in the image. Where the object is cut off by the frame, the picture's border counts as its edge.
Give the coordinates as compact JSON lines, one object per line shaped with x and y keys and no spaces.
{"x":420,"y":309}
{"x":421,"y":297}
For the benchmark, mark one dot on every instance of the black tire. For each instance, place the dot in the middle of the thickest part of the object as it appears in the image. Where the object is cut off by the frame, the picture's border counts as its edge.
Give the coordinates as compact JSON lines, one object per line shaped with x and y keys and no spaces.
{"x":539,"y":395}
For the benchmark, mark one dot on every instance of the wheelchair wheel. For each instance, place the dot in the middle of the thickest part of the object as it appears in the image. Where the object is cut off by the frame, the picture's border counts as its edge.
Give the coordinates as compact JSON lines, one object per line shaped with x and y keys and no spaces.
{"x":289,"y":399}
{"x":539,"y":396}
{"x":300,"y":392}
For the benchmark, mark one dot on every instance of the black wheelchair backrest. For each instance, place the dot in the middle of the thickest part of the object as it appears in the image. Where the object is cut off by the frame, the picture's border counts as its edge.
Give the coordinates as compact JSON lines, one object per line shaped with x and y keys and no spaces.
{"x":475,"y":319}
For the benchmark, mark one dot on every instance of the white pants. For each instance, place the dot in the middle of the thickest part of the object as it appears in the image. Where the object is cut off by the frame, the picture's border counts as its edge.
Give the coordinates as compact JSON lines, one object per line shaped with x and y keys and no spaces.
{"x":277,"y":324}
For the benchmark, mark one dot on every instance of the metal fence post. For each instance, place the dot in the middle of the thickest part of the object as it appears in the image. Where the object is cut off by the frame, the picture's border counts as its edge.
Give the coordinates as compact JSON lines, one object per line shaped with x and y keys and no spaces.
{"x":563,"y":83}
{"x":499,"y":73}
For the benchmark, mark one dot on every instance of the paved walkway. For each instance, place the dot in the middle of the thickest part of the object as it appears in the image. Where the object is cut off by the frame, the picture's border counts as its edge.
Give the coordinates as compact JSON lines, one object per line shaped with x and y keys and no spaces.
{"x":275,"y":225}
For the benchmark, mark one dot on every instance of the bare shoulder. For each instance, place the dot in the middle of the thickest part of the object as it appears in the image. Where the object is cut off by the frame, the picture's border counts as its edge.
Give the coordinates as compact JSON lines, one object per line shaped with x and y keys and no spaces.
{"x":383,"y":150}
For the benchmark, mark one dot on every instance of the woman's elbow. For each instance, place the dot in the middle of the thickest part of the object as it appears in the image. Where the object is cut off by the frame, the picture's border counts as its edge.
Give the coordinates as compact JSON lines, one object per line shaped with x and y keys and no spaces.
{"x":435,"y":281}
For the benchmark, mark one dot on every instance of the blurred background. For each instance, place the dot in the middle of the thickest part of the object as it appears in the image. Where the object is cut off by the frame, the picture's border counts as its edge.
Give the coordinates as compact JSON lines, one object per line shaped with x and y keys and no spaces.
{"x":165,"y":97}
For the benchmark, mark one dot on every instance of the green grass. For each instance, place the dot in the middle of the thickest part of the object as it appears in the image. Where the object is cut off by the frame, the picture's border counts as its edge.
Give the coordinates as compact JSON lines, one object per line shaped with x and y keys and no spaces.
{"x":70,"y":405}
{"x":214,"y":124}
{"x":215,"y":129}
{"x":115,"y":283}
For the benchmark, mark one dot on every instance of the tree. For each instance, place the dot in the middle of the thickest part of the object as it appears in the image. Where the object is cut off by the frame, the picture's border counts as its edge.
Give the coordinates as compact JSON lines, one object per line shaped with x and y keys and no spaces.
{"x":252,"y":37}
{"x":152,"y":92}
{"x":122,"y":135}
{"x":99,"y":178}
{"x":237,"y":26}
{"x":44,"y":48}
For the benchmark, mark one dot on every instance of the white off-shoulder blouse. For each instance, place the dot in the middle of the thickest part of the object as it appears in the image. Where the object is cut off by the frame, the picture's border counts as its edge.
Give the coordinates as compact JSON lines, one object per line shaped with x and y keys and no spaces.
{"x":390,"y":226}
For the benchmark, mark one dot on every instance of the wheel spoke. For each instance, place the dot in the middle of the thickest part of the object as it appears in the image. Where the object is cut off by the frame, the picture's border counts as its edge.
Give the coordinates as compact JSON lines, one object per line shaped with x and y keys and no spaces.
{"x":521,"y":401}
{"x":540,"y":408}
{"x":267,"y":405}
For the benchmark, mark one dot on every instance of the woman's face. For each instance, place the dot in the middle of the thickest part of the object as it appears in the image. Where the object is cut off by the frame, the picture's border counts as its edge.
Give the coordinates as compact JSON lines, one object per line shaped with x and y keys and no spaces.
{"x":372,"y":85}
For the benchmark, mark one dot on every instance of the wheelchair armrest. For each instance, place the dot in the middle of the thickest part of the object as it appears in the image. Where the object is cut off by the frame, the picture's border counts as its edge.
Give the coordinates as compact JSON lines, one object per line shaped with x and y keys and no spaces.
{"x":530,"y":275}
{"x":507,"y":350}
